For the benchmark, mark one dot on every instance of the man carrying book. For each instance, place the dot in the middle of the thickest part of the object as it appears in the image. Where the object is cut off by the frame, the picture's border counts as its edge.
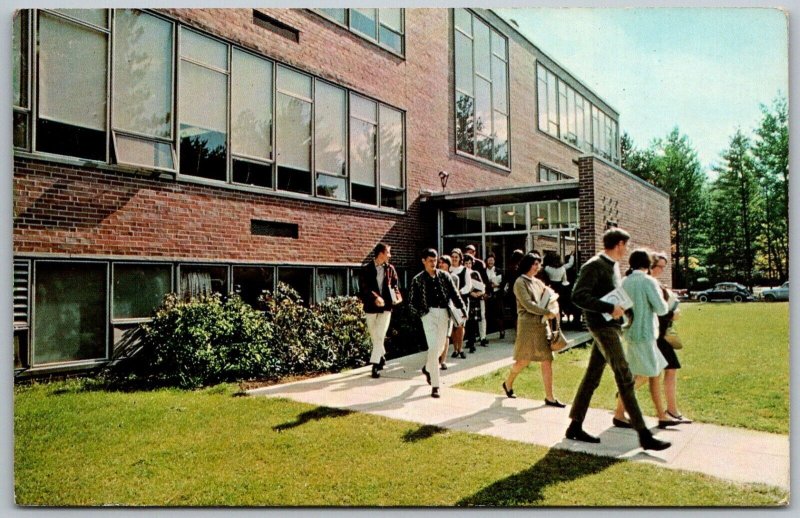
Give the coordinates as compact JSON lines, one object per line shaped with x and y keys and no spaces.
{"x":598,"y":279}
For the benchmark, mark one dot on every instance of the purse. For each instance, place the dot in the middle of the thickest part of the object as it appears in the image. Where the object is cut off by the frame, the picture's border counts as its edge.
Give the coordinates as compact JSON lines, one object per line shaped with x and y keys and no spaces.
{"x":672,"y":338}
{"x":557,"y":339}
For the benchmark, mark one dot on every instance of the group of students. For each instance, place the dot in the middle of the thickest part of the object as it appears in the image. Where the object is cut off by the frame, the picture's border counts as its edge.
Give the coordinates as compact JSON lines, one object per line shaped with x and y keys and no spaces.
{"x":458,"y":283}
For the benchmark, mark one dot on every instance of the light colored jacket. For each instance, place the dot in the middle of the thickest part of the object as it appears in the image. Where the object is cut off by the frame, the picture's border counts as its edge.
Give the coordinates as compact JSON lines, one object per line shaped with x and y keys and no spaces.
{"x":648,"y":305}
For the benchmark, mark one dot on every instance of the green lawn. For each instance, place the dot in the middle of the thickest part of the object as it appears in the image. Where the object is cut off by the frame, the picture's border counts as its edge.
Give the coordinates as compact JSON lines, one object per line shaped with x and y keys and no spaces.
{"x":79,"y":447}
{"x":735,"y":368}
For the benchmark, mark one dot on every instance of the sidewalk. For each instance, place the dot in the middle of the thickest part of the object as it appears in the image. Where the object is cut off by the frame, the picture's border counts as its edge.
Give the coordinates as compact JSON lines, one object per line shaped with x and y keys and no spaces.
{"x":401,"y":393}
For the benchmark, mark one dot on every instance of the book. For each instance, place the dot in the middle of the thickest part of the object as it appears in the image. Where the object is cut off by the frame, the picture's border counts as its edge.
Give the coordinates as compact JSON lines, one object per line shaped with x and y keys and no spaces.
{"x":617,"y":297}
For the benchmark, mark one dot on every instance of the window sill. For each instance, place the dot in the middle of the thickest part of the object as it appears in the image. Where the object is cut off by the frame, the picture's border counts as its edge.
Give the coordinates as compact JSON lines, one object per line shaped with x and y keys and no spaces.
{"x":483,"y":161}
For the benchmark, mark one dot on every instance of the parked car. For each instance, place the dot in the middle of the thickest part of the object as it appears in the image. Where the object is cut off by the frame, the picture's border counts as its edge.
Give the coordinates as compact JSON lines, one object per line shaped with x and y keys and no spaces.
{"x":725,"y":291}
{"x":779,"y":293}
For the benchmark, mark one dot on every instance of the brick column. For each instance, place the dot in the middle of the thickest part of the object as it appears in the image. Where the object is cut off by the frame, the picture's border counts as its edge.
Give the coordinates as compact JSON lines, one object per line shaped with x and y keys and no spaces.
{"x":586,"y":208}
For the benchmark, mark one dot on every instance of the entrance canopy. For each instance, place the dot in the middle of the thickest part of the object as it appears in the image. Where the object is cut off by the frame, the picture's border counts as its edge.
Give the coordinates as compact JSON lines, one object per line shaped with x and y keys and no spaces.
{"x":557,"y":190}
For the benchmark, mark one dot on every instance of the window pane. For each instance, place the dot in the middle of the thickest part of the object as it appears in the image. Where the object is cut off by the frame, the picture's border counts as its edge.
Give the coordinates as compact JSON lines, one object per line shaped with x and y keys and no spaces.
{"x":294,"y":83}
{"x":463,"y":63}
{"x":250,"y":282}
{"x":363,"y":21}
{"x":482,"y":50}
{"x":139,"y":289}
{"x":329,"y":129}
{"x":142,"y":74}
{"x":298,"y":278}
{"x":72,"y":73}
{"x":20,"y":130}
{"x":197,"y":281}
{"x":463,"y":20}
{"x":501,"y":138}
{"x":251,"y":106}
{"x":336,"y":14}
{"x":294,"y":180}
{"x":362,"y":152}
{"x":363,"y":108}
{"x":498,"y":45}
{"x":552,"y":105}
{"x":541,"y":93}
{"x":462,"y":221}
{"x":332,"y":186}
{"x":484,"y":147}
{"x":204,"y":50}
{"x":391,"y":39}
{"x":252,"y":173}
{"x":70,"y":312}
{"x":499,"y":93}
{"x":505,"y":218}
{"x":97,"y":17}
{"x":331,"y":282}
{"x":293,"y":128}
{"x":465,"y":130}
{"x":392,"y":18}
{"x":392,"y":198}
{"x":391,"y":160}
{"x":147,"y":153}
{"x":203,"y":97}
{"x":483,"y":106}
{"x":562,"y":109}
{"x":19,"y":55}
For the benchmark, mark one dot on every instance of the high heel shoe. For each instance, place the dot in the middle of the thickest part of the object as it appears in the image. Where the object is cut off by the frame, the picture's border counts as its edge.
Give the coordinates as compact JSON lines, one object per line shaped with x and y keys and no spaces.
{"x":509,"y":392}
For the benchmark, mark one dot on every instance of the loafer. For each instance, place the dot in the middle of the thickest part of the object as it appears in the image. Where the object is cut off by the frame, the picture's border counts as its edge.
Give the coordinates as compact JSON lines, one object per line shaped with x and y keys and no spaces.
{"x":577,"y":434}
{"x":382,"y":363}
{"x":648,"y":442}
{"x":667,"y":422}
{"x":462,"y":355}
{"x":443,"y":366}
{"x":509,"y":392}
{"x":472,"y":349}
{"x":427,"y":375}
{"x":679,"y":418}
{"x":375,"y":373}
{"x":619,"y":423}
{"x":556,"y":403}
{"x":454,"y":355}
{"x":435,"y":393}
{"x":484,"y":343}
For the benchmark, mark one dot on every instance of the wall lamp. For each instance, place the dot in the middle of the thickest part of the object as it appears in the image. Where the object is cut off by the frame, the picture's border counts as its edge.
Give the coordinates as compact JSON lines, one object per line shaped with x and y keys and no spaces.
{"x":443,"y":176}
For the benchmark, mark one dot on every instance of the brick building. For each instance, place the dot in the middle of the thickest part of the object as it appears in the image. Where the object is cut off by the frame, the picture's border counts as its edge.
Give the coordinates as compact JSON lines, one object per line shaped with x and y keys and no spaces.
{"x":197,"y":150}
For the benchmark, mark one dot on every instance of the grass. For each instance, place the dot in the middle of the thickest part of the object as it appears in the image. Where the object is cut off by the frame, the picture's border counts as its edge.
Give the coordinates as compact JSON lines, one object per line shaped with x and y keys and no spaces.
{"x":75,"y":446}
{"x":735,"y":368}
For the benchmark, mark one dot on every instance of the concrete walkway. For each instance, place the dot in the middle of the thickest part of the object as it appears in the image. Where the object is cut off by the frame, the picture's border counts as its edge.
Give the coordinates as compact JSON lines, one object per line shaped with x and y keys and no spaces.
{"x":401,"y":393}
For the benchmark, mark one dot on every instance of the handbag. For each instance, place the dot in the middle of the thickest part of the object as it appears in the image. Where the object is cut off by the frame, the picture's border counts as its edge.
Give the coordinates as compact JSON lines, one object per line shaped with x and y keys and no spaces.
{"x":557,"y":339}
{"x":672,"y":338}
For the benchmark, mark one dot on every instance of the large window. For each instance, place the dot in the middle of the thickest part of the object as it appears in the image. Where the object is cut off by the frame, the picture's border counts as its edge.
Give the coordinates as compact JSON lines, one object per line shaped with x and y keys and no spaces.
{"x":69,"y":312}
{"x":138,"y":289}
{"x":566,"y":114}
{"x":201,"y":280}
{"x":251,"y":282}
{"x":386,"y":27}
{"x":73,"y":84}
{"x":481,"y":94}
{"x":178,"y":100}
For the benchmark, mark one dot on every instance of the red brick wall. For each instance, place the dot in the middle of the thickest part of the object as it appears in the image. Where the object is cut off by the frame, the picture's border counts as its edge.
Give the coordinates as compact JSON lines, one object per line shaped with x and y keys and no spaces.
{"x":608,"y":193}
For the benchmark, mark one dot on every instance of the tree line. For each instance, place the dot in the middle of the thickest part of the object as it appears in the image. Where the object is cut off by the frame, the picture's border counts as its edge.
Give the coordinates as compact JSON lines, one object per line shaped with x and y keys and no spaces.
{"x":731,"y":225}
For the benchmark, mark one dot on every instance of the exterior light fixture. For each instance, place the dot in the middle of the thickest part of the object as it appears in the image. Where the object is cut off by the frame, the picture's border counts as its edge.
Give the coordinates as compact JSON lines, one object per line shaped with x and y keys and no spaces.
{"x":540,"y":219}
{"x":510,"y":213}
{"x":443,"y":176}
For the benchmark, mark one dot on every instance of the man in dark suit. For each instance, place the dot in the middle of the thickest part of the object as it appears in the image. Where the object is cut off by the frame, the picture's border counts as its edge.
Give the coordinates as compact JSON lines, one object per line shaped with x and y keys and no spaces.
{"x":379,"y":289}
{"x":599,"y":276}
{"x":479,"y":266}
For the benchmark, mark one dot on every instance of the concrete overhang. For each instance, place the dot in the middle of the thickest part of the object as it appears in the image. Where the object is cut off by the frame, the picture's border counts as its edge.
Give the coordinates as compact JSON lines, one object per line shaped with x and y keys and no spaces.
{"x":544,"y":191}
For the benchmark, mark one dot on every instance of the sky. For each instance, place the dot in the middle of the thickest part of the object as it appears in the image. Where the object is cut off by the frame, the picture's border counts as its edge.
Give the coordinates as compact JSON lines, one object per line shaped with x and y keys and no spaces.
{"x":703,"y":70}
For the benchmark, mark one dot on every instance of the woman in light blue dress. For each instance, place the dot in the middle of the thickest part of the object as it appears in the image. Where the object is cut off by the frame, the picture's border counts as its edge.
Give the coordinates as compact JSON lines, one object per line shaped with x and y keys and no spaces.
{"x":640,"y":333}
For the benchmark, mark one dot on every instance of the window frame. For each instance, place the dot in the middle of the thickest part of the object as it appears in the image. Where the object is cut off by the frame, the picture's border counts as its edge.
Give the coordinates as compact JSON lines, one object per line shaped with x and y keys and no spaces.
{"x":27,"y":40}
{"x":112,"y":277}
{"x":378,"y":24}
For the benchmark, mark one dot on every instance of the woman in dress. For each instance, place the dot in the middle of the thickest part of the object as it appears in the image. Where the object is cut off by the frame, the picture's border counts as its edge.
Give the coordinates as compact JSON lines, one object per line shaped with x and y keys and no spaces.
{"x":444,"y":264}
{"x":476,"y":313}
{"x":465,"y":286}
{"x":640,"y":332}
{"x":531,"y":341}
{"x":664,"y":323}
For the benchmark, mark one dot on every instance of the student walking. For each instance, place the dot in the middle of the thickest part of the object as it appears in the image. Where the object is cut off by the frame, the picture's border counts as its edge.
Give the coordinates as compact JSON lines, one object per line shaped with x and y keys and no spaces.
{"x":379,"y":288}
{"x":480,"y":267}
{"x":444,"y":264}
{"x":464,"y":287}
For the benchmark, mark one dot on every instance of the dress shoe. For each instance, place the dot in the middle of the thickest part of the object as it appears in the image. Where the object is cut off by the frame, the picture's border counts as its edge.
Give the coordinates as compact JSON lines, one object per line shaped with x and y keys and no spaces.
{"x":435,"y":392}
{"x":375,"y":373}
{"x":382,"y":363}
{"x":664,"y":423}
{"x":454,"y":355}
{"x":648,"y":442}
{"x":471,"y":348}
{"x":556,"y":403}
{"x":509,"y":392}
{"x":427,"y":375}
{"x":679,"y":418}
{"x":576,"y":433}
{"x":462,"y":355}
{"x":443,"y":366}
{"x":484,"y":343}
{"x":619,"y":423}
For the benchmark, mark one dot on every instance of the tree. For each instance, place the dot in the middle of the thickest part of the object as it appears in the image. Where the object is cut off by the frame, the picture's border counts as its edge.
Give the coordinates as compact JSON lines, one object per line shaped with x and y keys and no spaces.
{"x":771,"y":155}
{"x":638,"y":162}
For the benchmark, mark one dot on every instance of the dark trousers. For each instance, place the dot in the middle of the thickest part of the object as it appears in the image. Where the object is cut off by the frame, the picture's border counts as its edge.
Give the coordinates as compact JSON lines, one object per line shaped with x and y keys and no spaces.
{"x":607,"y":348}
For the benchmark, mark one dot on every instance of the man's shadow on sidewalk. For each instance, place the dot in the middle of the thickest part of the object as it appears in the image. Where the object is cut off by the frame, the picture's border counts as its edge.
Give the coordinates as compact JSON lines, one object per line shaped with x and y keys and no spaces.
{"x":527,"y":487}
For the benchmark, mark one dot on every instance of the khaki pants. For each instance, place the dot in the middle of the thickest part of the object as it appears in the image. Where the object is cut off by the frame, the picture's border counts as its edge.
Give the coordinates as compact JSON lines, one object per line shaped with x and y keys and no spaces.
{"x":377,"y":325}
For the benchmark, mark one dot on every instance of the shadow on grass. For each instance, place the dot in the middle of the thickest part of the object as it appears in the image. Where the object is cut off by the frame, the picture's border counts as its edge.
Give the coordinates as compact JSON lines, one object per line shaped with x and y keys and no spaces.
{"x":423,"y":432}
{"x":312,"y":415}
{"x":527,"y":487}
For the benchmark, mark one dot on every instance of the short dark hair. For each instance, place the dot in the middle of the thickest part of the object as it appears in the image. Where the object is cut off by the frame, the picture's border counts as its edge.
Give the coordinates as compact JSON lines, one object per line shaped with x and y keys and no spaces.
{"x":379,"y":249}
{"x":428,"y":252}
{"x":613,"y":236}
{"x":639,"y":259}
{"x":446,"y":259}
{"x":528,"y":260}
{"x":468,"y":259}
